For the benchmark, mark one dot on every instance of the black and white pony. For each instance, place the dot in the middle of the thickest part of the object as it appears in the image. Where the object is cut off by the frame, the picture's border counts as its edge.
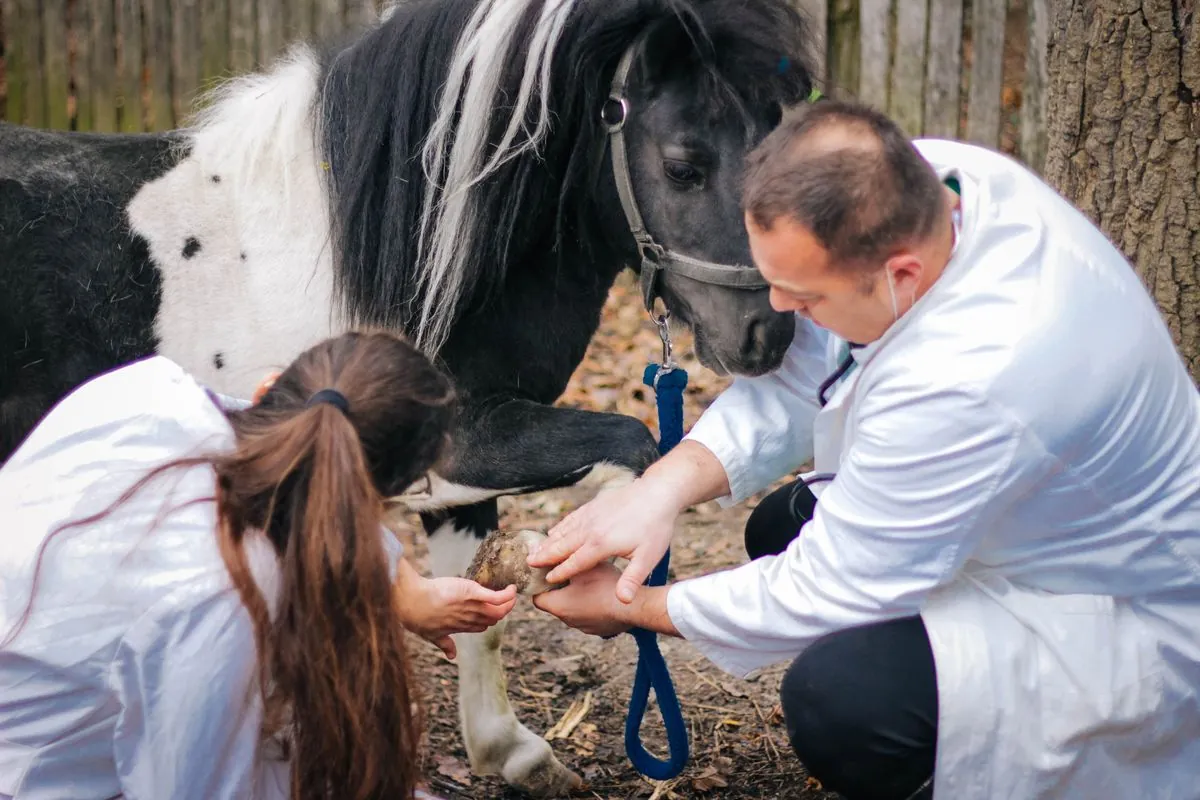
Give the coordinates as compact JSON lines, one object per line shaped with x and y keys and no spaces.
{"x":473,"y":172}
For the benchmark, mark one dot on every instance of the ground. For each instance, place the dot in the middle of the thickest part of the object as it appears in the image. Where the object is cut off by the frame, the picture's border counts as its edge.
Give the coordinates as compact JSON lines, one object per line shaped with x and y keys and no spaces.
{"x":575,"y":687}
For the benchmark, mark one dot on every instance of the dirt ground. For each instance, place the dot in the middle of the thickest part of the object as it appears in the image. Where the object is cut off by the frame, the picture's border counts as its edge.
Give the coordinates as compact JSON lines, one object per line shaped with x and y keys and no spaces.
{"x":738,"y":741}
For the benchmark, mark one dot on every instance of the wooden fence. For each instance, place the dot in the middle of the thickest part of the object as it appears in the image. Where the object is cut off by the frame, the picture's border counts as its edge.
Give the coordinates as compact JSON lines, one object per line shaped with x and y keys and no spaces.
{"x":970,"y":69}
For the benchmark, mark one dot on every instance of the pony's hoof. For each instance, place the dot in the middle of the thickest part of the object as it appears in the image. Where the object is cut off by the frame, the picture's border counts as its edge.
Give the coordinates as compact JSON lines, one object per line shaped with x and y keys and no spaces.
{"x":544,"y":777}
{"x":500,"y":561}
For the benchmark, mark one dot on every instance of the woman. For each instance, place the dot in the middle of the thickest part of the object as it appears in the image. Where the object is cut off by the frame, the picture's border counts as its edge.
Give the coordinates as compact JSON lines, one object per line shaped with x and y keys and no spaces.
{"x":202,"y":602}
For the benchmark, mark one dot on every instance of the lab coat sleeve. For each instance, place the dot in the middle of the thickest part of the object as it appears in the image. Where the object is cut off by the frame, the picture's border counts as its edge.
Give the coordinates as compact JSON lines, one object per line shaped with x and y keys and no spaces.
{"x":189,"y":721}
{"x":761,"y":428}
{"x":924,"y":477}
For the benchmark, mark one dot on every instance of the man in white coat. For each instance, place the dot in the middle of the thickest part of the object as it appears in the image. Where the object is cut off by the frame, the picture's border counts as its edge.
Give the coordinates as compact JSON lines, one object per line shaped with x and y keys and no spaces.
{"x":997,"y":595}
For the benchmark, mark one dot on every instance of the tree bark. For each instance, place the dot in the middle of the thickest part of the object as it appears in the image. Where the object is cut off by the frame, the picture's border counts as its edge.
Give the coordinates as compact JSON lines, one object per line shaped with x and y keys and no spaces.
{"x":1124,"y":140}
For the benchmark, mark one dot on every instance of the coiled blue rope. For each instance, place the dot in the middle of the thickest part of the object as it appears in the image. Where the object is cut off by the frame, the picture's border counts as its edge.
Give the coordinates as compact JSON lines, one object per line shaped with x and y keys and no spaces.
{"x":652,"y":672}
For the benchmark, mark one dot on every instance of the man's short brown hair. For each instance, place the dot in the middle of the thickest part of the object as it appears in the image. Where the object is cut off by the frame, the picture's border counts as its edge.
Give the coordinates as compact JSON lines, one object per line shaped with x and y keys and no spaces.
{"x":849,"y":175}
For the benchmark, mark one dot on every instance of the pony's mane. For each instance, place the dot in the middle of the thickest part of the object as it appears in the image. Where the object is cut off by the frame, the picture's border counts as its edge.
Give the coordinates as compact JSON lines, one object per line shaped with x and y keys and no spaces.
{"x":462,"y":136}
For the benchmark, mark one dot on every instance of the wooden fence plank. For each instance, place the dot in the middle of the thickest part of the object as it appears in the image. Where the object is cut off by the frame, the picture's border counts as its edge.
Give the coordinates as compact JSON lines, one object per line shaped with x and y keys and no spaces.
{"x":19,"y":61}
{"x":161,"y":111}
{"x":298,"y":20}
{"x":1033,"y":102}
{"x":214,"y":21}
{"x":361,"y":12}
{"x":243,"y":41}
{"x":817,"y":13}
{"x":35,"y":78}
{"x":943,"y":72}
{"x":185,"y":56}
{"x":56,"y":71}
{"x":329,"y":19}
{"x":128,"y":89}
{"x":270,"y":30}
{"x":987,"y":72}
{"x":103,"y":66}
{"x":906,"y":100}
{"x":79,"y":29}
{"x":874,"y":19}
{"x":843,"y":50}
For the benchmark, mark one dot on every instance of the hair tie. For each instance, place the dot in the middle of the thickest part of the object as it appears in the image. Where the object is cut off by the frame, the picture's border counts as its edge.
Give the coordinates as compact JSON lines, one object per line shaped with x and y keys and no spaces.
{"x":331,"y":396}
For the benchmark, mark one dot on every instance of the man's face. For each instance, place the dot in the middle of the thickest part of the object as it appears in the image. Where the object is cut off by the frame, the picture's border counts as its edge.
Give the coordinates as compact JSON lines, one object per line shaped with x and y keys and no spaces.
{"x":856,"y":307}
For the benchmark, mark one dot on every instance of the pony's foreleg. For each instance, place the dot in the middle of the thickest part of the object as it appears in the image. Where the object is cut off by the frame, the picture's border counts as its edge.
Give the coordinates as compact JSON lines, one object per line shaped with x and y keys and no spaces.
{"x":497,"y":743}
{"x":520,"y":447}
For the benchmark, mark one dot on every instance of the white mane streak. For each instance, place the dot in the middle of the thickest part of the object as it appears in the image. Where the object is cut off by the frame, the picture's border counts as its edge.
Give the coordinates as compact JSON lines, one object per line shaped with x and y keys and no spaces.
{"x":449,"y":223}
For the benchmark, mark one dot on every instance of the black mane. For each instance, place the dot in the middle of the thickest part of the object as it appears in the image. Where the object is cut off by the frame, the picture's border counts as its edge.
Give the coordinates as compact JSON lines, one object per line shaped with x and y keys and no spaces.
{"x":380,"y":95}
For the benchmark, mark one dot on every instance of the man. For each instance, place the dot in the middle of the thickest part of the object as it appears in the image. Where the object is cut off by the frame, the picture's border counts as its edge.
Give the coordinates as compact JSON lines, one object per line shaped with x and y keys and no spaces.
{"x":998,"y":593}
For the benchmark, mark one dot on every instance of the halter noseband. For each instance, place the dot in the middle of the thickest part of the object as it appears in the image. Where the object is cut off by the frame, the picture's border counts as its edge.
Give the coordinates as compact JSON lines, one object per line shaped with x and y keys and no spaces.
{"x":655,"y":257}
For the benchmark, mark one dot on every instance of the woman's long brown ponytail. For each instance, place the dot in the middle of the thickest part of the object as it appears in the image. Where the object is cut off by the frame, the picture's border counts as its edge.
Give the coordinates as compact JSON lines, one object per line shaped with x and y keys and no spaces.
{"x":334,"y":667}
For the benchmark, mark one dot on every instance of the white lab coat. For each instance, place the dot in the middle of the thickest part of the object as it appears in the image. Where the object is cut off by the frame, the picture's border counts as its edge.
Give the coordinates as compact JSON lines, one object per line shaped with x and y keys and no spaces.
{"x":1017,"y":459}
{"x":132,"y":676}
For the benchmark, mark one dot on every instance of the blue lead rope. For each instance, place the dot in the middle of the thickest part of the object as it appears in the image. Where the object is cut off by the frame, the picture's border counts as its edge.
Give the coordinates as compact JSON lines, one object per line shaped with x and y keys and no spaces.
{"x":652,"y":669}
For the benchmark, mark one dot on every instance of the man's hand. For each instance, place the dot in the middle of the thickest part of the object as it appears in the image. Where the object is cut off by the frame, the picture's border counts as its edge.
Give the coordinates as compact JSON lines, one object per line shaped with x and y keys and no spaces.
{"x":588,"y":604}
{"x":435,"y":608}
{"x":634,"y":522}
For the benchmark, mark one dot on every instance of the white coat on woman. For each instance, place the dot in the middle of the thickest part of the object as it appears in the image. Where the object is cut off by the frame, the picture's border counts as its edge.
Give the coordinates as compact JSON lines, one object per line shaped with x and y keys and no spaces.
{"x":133,"y":675}
{"x":1017,"y":460}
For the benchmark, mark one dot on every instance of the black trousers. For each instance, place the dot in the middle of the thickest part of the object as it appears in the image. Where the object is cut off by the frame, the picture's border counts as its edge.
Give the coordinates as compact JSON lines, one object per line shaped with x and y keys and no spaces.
{"x":860,"y":704}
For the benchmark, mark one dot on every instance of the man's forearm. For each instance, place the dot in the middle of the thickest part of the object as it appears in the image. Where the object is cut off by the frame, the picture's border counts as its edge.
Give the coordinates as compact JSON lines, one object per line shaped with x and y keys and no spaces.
{"x":649,"y":611}
{"x":689,"y":474}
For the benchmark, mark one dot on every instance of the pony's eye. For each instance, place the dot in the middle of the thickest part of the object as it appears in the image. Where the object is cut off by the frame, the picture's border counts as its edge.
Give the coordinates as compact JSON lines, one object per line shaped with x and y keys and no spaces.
{"x":682,"y":173}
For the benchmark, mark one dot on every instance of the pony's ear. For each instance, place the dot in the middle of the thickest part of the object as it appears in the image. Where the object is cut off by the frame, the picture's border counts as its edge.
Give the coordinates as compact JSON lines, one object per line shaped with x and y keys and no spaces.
{"x":675,"y":50}
{"x":669,"y":52}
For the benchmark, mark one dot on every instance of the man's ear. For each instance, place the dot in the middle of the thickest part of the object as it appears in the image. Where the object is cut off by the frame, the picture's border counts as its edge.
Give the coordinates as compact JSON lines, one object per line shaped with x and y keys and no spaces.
{"x":907,"y":270}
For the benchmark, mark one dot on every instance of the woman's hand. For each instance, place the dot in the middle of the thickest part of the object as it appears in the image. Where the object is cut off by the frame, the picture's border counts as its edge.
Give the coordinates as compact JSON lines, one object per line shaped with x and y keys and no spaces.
{"x":435,"y":608}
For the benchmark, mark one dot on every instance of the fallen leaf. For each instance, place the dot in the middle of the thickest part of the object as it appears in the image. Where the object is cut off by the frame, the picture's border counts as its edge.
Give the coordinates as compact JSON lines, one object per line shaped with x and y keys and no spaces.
{"x":708,"y":780}
{"x":453,"y":769}
{"x":575,"y":714}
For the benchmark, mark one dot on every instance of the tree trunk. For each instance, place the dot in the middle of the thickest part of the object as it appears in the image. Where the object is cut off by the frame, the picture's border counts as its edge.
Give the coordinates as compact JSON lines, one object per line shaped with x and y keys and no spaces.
{"x":1124,"y":140}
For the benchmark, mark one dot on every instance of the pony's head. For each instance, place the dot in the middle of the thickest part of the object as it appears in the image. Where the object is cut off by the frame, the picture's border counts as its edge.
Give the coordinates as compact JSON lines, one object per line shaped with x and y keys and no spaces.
{"x":697,"y":89}
{"x":473,"y":139}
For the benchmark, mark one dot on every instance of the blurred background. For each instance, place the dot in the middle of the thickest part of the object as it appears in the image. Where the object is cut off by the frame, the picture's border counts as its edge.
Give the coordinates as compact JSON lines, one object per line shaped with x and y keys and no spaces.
{"x":959,"y":68}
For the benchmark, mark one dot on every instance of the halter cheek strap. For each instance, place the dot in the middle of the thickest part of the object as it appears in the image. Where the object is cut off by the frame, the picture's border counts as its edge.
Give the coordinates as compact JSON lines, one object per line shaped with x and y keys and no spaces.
{"x":656,"y":258}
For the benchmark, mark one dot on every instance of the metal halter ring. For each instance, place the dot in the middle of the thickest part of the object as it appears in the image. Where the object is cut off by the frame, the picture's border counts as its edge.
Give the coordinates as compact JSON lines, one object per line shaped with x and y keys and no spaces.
{"x":614,"y":105}
{"x":662,"y":321}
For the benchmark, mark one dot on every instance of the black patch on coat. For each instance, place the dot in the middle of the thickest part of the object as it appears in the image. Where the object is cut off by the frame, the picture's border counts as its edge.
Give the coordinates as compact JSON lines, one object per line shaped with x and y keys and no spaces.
{"x":191,"y":247}
{"x":78,"y":289}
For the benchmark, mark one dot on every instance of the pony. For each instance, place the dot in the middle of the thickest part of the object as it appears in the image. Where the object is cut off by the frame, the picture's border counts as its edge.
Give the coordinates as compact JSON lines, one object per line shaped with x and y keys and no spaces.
{"x":473,"y":173}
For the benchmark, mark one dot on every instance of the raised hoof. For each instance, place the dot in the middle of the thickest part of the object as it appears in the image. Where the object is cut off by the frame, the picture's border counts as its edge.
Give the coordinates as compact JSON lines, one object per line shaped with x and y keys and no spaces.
{"x":500,"y":561}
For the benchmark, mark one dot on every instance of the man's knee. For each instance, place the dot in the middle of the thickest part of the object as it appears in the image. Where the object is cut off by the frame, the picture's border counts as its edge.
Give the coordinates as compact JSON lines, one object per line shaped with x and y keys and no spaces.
{"x":777,"y":520}
{"x":861,"y":709}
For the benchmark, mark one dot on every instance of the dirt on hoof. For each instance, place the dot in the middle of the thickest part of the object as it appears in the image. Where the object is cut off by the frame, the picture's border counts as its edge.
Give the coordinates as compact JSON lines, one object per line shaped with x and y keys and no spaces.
{"x":500,"y":561}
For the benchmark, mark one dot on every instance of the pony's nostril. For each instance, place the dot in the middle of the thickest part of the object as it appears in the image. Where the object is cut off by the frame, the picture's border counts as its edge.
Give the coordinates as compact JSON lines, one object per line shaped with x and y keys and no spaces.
{"x":757,"y":340}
